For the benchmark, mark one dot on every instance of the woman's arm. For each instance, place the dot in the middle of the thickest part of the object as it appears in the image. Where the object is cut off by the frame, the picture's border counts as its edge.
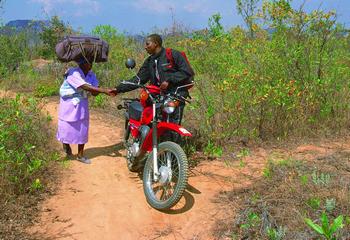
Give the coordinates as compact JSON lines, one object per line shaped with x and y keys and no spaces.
{"x":93,"y":93}
{"x":96,"y":90}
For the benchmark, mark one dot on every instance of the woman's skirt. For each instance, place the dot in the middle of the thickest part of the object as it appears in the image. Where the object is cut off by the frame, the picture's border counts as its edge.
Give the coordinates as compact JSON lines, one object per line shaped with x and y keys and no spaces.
{"x":73,"y":132}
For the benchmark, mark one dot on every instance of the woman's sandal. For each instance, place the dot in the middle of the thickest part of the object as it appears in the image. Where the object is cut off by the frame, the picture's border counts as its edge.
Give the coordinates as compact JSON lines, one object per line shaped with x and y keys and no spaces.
{"x":84,"y":160}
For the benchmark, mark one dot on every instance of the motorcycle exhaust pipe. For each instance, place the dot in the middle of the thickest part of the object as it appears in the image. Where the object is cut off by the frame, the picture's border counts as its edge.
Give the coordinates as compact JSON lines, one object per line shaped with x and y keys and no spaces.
{"x":144,"y":130}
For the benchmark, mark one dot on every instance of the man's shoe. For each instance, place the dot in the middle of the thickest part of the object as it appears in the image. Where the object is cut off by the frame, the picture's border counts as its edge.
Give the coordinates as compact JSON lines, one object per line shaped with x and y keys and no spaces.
{"x":84,"y":160}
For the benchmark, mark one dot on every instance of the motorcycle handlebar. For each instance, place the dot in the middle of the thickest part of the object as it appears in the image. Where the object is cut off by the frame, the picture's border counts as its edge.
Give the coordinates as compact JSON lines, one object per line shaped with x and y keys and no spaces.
{"x":171,"y":94}
{"x":133,"y":84}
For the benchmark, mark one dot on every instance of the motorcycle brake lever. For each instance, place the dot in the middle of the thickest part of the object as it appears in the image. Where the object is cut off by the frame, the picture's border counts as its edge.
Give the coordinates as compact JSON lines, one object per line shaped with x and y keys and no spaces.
{"x":181,"y":99}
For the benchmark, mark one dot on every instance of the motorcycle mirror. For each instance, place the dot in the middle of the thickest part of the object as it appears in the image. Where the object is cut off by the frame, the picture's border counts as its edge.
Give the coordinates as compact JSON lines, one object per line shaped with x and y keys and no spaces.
{"x":130,"y":63}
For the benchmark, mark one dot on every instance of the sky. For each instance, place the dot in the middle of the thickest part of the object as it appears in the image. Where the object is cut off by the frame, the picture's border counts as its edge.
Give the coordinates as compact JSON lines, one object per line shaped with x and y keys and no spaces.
{"x":144,"y":16}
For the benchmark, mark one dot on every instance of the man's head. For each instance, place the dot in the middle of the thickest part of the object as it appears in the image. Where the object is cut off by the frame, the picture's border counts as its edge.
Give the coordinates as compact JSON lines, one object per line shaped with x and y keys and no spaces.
{"x":153,"y":44}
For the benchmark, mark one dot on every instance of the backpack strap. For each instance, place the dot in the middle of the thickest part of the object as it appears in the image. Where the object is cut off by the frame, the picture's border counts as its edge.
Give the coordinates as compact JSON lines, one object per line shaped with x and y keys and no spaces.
{"x":169,"y":57}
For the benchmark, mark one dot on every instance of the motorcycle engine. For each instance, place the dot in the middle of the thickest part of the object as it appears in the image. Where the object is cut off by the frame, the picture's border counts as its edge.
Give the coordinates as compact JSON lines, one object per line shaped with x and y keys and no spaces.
{"x":135,"y":148}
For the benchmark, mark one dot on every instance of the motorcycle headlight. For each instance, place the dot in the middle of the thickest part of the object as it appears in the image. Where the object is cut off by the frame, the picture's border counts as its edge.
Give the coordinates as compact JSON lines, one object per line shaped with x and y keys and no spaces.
{"x":169,"y":106}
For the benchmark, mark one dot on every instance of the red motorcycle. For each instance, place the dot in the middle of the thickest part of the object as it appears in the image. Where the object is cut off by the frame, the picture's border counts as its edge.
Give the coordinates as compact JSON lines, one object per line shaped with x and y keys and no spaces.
{"x":164,"y":162}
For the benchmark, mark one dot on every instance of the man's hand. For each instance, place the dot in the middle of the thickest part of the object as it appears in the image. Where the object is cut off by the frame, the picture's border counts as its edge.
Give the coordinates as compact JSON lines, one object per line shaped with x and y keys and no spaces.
{"x":164,"y":85}
{"x":112,"y":92}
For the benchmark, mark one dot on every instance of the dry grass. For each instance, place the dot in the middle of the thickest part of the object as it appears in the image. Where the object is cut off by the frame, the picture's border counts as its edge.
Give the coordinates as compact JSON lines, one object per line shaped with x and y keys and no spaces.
{"x":22,"y":211}
{"x":292,"y":188}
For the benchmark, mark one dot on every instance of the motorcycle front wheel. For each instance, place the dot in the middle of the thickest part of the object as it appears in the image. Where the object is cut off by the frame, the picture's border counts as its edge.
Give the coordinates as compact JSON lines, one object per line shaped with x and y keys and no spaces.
{"x":173,"y":168}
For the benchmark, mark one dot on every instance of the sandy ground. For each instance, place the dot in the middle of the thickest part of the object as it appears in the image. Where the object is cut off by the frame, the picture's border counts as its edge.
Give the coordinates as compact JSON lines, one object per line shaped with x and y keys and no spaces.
{"x":106,"y":201}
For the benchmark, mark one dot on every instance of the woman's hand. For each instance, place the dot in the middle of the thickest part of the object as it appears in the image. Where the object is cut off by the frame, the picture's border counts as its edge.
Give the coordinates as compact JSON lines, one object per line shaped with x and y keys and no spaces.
{"x":96,"y":90}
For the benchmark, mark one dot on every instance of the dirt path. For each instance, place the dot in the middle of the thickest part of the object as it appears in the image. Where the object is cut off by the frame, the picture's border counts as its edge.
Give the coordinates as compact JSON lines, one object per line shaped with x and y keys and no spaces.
{"x":106,"y":201}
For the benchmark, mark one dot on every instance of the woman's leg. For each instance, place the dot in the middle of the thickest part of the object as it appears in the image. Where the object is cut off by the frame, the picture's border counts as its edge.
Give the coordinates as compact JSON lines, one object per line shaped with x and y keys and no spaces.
{"x":81,"y":150}
{"x":67,"y":149}
{"x":81,"y":157}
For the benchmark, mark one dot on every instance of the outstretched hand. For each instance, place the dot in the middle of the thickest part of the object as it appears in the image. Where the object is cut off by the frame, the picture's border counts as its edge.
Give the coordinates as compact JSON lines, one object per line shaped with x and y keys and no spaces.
{"x":111,"y":92}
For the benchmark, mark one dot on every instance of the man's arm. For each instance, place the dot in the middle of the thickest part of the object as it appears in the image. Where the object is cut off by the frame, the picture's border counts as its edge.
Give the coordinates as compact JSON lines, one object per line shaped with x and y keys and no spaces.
{"x":142,"y":76}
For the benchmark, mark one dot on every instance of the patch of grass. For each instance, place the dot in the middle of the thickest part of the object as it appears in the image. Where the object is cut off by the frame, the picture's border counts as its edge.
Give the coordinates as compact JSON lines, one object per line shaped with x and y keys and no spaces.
{"x":347,"y":220}
{"x":243,"y":152}
{"x":100,"y":101}
{"x":289,"y":191}
{"x":252,"y":220}
{"x":314,"y":203}
{"x":255,"y":198}
{"x":320,"y":178}
{"x":268,"y":169}
{"x":46,"y":91}
{"x":275,"y":233}
{"x":49,"y":117}
{"x":330,"y":204}
{"x":242,"y":163}
{"x":304,"y":179}
{"x":212,"y":150}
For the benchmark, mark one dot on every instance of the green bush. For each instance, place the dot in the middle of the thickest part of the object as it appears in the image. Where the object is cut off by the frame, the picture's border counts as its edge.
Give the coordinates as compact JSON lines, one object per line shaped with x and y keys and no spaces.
{"x":291,"y":80}
{"x":99,"y":101}
{"x":46,"y":91}
{"x":24,"y":155}
{"x":14,"y":50}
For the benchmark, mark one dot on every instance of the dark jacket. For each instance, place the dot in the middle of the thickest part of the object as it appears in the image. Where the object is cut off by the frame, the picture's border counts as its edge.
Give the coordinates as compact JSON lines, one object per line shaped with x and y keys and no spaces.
{"x":176,"y":76}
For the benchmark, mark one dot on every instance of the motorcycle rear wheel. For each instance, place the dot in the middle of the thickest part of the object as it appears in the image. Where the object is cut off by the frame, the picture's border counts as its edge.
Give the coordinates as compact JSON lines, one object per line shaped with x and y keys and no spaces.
{"x":173,"y":166}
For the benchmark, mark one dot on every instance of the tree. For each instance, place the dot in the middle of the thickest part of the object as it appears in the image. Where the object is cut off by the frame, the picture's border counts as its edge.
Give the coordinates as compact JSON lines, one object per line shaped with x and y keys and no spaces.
{"x":51,"y":34}
{"x":215,"y":27}
{"x":247,"y":9}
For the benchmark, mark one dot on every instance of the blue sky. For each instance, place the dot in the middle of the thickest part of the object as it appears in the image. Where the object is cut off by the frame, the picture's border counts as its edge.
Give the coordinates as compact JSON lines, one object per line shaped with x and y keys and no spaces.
{"x":137,"y":16}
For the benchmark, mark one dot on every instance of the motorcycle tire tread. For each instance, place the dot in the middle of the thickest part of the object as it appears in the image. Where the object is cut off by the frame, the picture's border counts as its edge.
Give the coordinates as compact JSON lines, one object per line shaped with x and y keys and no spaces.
{"x":183,"y":177}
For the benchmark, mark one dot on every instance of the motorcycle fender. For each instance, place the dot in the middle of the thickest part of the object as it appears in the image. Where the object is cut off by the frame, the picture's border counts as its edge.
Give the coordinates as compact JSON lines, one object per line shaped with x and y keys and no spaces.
{"x":161,"y":128}
{"x":164,"y":126}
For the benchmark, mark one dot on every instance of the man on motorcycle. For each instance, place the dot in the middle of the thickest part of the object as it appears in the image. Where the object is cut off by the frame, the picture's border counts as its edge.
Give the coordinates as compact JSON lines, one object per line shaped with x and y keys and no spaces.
{"x":156,"y":71}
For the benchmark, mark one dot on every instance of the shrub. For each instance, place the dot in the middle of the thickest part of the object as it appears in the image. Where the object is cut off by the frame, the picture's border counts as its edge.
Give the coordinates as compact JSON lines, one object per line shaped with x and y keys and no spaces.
{"x":45,"y":91}
{"x":285,"y":81}
{"x":14,"y":50}
{"x":24,"y":154}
